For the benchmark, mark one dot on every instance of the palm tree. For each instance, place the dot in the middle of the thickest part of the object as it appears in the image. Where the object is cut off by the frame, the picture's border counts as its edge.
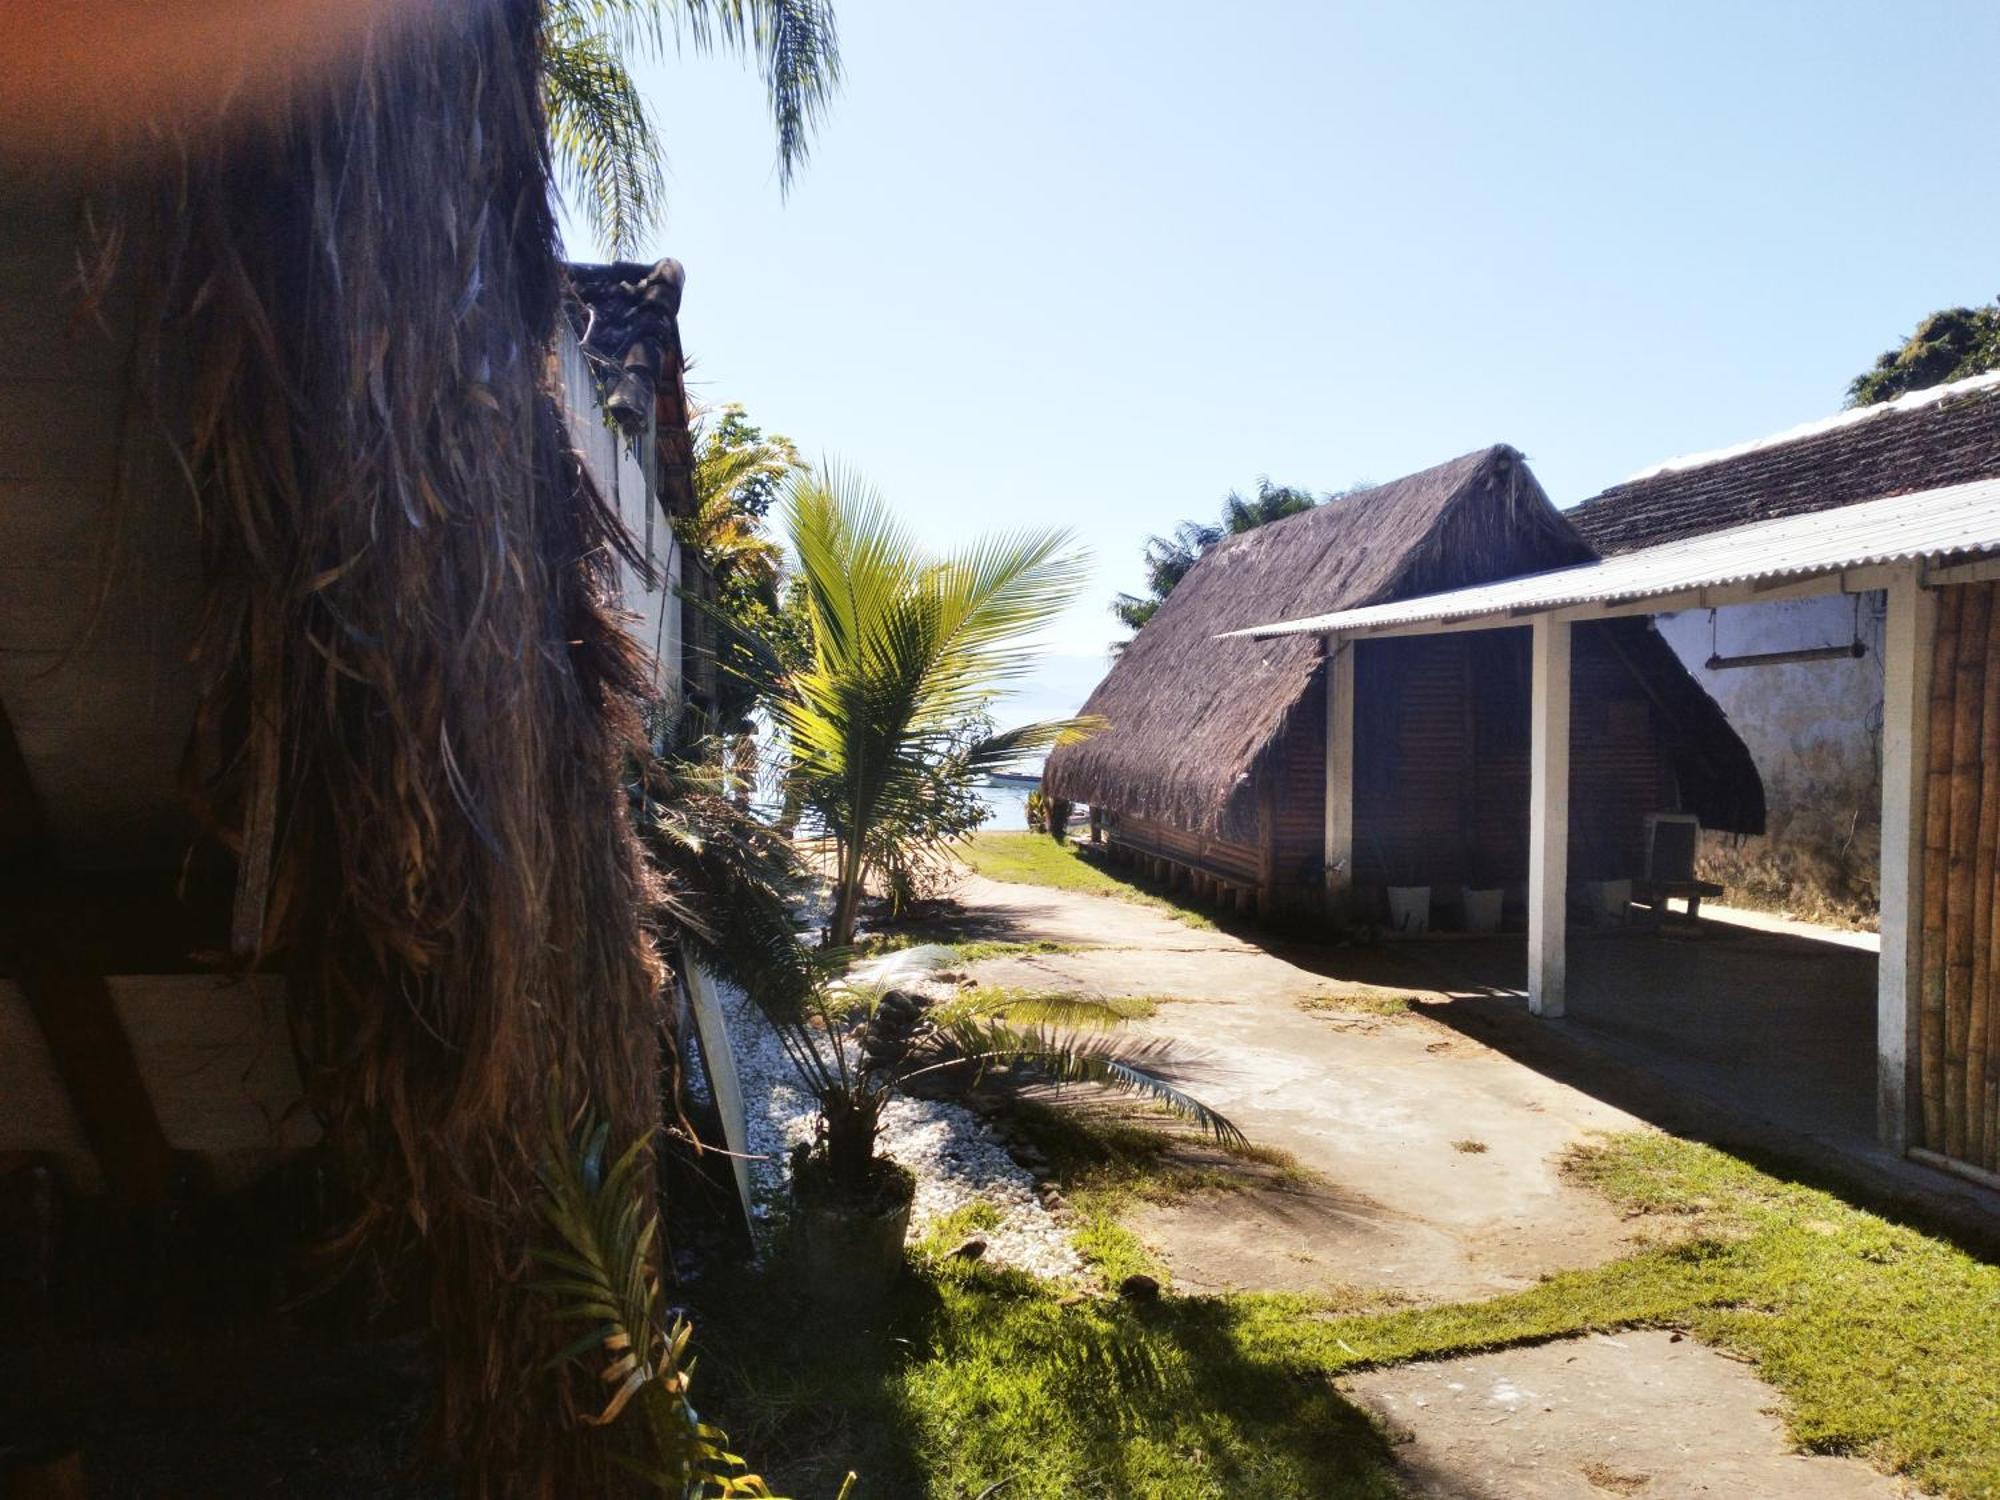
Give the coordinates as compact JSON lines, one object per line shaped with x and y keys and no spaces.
{"x":738,"y":470}
{"x":887,"y":720}
{"x":1171,"y":558}
{"x":607,"y":150}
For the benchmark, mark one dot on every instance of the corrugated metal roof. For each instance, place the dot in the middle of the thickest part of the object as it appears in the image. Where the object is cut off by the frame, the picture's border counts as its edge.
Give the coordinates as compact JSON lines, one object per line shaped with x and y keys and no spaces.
{"x":1955,"y":520}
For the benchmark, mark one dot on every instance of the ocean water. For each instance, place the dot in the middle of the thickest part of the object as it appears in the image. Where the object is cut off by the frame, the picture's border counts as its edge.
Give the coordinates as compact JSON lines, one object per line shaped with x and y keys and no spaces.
{"x":1008,"y":801}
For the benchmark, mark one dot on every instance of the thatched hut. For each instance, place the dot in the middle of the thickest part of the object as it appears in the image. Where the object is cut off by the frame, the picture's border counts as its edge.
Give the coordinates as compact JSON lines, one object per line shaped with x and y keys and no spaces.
{"x":1215,"y":764}
{"x":318,"y":685}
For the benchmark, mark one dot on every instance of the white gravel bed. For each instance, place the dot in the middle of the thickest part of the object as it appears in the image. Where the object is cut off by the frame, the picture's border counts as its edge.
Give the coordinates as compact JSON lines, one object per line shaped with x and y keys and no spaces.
{"x":955,"y":1155}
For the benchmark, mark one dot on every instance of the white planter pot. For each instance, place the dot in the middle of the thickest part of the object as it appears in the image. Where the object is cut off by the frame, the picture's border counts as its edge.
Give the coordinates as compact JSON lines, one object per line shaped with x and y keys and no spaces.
{"x":1482,"y":909}
{"x":1409,"y":908}
{"x":1610,"y":900}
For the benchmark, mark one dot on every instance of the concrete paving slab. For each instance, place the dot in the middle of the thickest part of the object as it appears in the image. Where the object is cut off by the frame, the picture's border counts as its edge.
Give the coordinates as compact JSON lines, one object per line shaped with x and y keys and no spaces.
{"x":1642,"y":1413}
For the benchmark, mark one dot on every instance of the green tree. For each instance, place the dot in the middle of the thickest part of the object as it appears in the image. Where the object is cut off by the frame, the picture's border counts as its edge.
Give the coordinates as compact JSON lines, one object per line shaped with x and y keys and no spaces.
{"x":1170,"y":558}
{"x":605,"y":143}
{"x":887,"y":723}
{"x":1948,"y":345}
{"x":739,"y":471}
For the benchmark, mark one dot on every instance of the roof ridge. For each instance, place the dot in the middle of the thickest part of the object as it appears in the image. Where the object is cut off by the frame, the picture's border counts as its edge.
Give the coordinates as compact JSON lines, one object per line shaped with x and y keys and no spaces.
{"x":1849,"y":417}
{"x":1415,"y":555}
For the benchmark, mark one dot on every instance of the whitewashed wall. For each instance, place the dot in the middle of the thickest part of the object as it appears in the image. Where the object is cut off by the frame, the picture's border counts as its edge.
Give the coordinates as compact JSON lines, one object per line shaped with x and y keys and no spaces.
{"x":1815,"y":732}
{"x":621,"y":470}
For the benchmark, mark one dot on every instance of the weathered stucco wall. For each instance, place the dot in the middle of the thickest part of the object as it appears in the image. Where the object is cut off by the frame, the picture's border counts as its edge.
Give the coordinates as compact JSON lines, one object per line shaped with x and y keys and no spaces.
{"x":1815,"y":731}
{"x":619,"y":466}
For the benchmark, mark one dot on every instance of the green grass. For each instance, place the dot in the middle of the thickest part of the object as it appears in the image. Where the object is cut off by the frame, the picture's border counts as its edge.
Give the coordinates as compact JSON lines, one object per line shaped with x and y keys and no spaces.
{"x":1020,"y":1002}
{"x":1361,"y":1001}
{"x":876,"y":944}
{"x":1884,"y":1340}
{"x":1106,"y":1162}
{"x":979,"y":1381}
{"x":946,"y":1234}
{"x":1036,"y":859}
{"x":972,"y":953}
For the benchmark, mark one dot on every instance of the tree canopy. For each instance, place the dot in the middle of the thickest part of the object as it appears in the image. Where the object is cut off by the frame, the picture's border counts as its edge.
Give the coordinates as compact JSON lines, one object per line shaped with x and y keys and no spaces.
{"x":606,"y":147}
{"x":1169,"y":558}
{"x":1947,"y":345}
{"x":739,"y":472}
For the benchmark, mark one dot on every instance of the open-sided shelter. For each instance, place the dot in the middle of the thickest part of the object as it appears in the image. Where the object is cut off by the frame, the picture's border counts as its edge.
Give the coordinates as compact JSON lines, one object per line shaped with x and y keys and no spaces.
{"x":1217,"y":752}
{"x":1935,"y":556}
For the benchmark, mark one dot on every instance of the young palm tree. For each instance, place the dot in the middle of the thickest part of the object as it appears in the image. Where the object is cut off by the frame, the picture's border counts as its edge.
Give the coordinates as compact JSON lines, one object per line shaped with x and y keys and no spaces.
{"x":908,"y":651}
{"x":607,"y":150}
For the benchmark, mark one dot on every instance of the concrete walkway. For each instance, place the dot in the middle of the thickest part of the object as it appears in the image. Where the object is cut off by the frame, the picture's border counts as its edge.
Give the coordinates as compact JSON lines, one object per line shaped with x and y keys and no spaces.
{"x":1437,"y":1161}
{"x":1438,"y":1156}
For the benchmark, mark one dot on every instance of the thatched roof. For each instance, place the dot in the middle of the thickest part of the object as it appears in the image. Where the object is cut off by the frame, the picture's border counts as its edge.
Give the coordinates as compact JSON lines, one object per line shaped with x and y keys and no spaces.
{"x":414,"y":699}
{"x":1945,"y":435}
{"x":1189,"y":715}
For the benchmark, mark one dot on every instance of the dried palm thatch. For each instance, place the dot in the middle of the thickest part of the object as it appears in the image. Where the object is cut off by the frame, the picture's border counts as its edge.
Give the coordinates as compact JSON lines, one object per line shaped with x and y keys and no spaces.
{"x":1194,"y":720}
{"x":1190,"y":716}
{"x":416,"y":697}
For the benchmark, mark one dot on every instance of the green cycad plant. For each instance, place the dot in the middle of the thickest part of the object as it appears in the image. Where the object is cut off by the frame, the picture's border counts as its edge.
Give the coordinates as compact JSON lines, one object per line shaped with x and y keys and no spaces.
{"x":606,"y":146}
{"x":897,"y":1043}
{"x":887,"y":722}
{"x":732,"y":885}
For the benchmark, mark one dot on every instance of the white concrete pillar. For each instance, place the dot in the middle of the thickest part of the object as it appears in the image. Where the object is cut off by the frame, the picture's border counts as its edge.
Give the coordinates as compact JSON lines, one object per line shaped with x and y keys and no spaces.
{"x":1548,"y":818}
{"x":1906,"y":685}
{"x":1339,"y":840}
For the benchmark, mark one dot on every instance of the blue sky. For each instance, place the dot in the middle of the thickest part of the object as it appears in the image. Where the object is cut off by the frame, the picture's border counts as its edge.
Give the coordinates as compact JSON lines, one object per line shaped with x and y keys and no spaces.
{"x":1094,"y":264}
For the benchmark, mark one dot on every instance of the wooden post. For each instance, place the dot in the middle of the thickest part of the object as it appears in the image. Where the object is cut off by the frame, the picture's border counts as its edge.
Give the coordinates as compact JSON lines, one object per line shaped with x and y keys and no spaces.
{"x":72,"y":1005}
{"x":1548,"y":818}
{"x":1338,"y":852}
{"x":1906,"y":670}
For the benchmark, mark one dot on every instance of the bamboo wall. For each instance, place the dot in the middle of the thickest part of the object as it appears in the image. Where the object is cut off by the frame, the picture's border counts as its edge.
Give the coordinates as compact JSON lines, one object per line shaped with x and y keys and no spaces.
{"x":1441,"y":780}
{"x":1298,"y":801}
{"x":1442,"y":761}
{"x":1959,"y":1060}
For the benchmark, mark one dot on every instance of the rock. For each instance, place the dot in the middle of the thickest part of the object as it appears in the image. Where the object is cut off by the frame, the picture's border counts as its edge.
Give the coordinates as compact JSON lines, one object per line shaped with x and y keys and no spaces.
{"x":1139,"y":1287}
{"x":972,"y":1249}
{"x":894,"y":1028}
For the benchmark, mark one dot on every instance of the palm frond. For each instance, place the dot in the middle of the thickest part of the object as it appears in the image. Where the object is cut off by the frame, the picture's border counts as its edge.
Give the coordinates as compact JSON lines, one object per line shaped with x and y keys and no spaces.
{"x":886,"y":722}
{"x":601,"y":134}
{"x":797,"y":50}
{"x":794,"y":43}
{"x":980,"y":1043}
{"x":600,"y":1275}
